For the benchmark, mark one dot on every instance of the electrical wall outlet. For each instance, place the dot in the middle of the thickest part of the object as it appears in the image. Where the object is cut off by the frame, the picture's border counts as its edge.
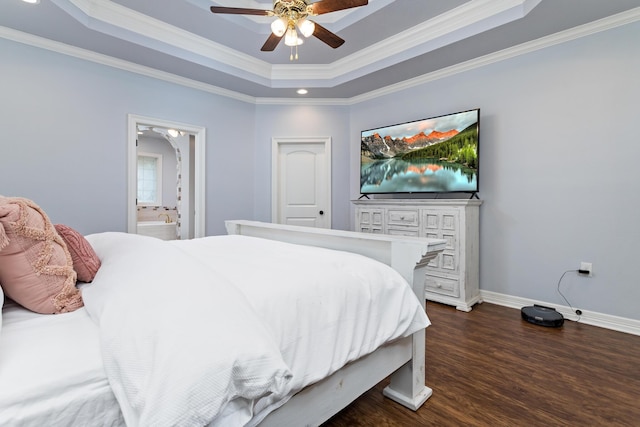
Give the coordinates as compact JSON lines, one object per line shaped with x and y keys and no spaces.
{"x":586,"y":266}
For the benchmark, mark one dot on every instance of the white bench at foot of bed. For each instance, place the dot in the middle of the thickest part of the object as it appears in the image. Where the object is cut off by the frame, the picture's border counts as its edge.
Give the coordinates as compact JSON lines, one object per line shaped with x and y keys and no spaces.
{"x":403,"y":359}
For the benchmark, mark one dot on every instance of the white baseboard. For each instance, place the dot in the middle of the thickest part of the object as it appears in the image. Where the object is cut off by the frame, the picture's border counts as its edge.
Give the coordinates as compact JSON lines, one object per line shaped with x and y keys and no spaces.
{"x":593,"y":318}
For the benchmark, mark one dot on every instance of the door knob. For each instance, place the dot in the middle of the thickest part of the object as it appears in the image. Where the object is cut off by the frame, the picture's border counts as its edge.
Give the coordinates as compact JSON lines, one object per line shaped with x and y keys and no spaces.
{"x":321,"y":212}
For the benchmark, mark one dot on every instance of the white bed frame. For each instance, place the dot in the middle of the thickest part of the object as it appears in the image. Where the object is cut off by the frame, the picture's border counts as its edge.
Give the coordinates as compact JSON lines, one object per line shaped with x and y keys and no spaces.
{"x":403,"y":359}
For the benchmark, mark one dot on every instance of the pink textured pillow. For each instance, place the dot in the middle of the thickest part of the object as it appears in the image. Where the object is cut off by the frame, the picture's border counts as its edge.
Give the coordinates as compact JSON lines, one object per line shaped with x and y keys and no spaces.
{"x":85,"y":261}
{"x":36,"y":269}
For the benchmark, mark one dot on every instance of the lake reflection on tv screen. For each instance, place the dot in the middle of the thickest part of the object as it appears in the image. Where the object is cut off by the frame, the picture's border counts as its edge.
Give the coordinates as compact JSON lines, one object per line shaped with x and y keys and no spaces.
{"x":395,"y":175}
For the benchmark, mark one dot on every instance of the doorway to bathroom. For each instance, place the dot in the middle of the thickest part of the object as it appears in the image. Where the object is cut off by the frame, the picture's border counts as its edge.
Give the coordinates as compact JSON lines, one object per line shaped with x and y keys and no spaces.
{"x":165,"y":196}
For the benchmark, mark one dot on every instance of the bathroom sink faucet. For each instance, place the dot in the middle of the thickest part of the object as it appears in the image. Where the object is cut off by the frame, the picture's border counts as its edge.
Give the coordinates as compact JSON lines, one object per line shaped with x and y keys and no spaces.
{"x":168,"y":220}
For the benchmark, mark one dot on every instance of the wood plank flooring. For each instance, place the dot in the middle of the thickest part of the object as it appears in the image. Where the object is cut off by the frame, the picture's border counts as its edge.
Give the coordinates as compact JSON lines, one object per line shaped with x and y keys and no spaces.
{"x":488,"y":367}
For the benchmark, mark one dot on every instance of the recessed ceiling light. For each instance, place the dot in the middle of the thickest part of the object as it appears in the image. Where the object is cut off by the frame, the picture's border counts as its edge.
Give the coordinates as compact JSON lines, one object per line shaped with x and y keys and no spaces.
{"x":302,"y":91}
{"x":31,"y":1}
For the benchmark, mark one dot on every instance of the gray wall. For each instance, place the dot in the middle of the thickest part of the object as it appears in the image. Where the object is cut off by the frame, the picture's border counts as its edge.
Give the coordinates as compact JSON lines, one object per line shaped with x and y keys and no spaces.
{"x":558,"y":153}
{"x":304,"y":121}
{"x":64,"y":141}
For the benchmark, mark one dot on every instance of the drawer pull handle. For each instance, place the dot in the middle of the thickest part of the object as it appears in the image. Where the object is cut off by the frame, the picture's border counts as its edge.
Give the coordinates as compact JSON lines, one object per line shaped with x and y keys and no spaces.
{"x":438,"y":285}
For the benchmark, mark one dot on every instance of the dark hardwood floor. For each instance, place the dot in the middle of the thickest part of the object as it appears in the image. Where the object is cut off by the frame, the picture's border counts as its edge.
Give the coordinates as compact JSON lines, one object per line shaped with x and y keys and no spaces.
{"x":488,"y":367}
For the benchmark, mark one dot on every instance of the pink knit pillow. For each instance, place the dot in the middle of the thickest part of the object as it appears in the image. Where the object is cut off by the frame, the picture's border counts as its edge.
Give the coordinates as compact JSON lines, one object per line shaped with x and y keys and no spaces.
{"x":85,"y":260}
{"x":36,"y":269}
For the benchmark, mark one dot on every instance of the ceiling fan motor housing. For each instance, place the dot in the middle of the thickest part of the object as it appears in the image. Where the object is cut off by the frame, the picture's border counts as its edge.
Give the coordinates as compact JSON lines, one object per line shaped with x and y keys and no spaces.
{"x":291,"y":9}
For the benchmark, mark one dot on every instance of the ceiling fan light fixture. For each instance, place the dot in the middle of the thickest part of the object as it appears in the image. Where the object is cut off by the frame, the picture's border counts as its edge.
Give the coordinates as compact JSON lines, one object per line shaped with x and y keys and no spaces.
{"x":291,"y":38}
{"x":306,"y":27}
{"x":279,"y":27}
{"x":290,"y":16}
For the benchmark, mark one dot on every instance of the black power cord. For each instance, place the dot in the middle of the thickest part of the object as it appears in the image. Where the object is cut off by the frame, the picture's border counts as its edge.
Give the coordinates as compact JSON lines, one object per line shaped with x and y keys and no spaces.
{"x":578,"y":312}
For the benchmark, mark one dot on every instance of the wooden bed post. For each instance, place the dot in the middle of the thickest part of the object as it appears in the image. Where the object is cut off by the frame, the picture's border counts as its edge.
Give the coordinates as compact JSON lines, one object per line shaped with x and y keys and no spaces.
{"x":407,"y":385}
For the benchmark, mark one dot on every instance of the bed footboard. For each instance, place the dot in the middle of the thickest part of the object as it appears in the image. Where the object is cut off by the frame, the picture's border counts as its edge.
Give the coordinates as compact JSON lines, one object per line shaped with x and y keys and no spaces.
{"x":403,"y":254}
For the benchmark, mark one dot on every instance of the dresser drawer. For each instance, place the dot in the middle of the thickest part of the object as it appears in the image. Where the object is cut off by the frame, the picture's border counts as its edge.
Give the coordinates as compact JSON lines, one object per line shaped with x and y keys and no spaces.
{"x":442,"y":285}
{"x":403,"y":217}
{"x":447,"y":261}
{"x":413,"y":232}
{"x":441,"y":221}
{"x":370,"y":229}
{"x":372,"y":217}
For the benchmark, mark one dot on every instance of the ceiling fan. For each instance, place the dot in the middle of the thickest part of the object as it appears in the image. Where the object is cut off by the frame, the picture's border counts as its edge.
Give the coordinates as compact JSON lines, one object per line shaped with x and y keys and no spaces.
{"x":291,"y":16}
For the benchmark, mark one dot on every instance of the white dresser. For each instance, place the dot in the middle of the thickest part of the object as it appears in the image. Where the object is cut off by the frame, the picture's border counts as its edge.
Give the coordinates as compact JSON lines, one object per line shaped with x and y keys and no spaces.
{"x":453,"y":276}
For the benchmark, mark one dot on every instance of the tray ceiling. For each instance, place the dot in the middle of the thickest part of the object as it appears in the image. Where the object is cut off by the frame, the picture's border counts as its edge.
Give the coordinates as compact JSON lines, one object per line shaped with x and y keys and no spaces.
{"x":387,"y":41}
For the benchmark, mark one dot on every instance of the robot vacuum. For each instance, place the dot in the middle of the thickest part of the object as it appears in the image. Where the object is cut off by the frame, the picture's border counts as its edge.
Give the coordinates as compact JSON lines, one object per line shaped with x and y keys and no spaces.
{"x":541,"y":315}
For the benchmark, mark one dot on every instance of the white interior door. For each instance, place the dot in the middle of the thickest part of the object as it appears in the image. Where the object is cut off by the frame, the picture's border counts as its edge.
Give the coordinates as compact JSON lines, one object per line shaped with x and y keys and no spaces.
{"x":301,"y":181}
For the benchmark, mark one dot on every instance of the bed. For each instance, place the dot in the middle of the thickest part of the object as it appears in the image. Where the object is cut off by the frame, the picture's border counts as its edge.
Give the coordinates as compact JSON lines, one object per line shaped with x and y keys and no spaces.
{"x":252,"y":328}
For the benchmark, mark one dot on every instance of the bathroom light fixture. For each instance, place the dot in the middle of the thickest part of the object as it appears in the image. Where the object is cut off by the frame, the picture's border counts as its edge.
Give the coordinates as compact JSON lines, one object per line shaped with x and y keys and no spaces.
{"x":302,"y":91}
{"x":31,"y":1}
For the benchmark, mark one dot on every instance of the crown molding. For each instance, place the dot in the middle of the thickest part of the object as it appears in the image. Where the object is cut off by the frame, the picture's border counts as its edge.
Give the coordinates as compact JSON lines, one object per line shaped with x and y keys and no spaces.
{"x":449,"y":27}
{"x":470,"y":18}
{"x":109,"y":61}
{"x":604,"y":24}
{"x":584,"y":30}
{"x":333,"y":102}
{"x":126,"y":24}
{"x":456,"y":24}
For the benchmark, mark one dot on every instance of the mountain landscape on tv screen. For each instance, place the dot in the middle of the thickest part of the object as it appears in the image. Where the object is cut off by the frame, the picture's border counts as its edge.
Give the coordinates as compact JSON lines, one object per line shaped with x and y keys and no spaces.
{"x":432,"y":161}
{"x":444,"y":145}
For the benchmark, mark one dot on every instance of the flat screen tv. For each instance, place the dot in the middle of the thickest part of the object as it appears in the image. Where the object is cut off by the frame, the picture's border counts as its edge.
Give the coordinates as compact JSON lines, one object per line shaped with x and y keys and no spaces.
{"x":434,"y":155}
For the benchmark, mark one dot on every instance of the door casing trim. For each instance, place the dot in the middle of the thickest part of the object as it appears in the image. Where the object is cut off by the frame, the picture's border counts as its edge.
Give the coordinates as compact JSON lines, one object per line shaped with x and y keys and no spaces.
{"x":133,"y":120}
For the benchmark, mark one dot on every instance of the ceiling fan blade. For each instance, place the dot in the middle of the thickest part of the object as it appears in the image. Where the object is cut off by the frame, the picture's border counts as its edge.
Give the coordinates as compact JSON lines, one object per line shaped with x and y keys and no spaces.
{"x":327,"y":36}
{"x":240,"y":11}
{"x":271,"y":43}
{"x":326,"y":6}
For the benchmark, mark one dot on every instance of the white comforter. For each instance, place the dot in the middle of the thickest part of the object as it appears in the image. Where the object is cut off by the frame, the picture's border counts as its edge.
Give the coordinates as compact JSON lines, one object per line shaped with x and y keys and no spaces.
{"x":217,"y":330}
{"x":178,"y":343}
